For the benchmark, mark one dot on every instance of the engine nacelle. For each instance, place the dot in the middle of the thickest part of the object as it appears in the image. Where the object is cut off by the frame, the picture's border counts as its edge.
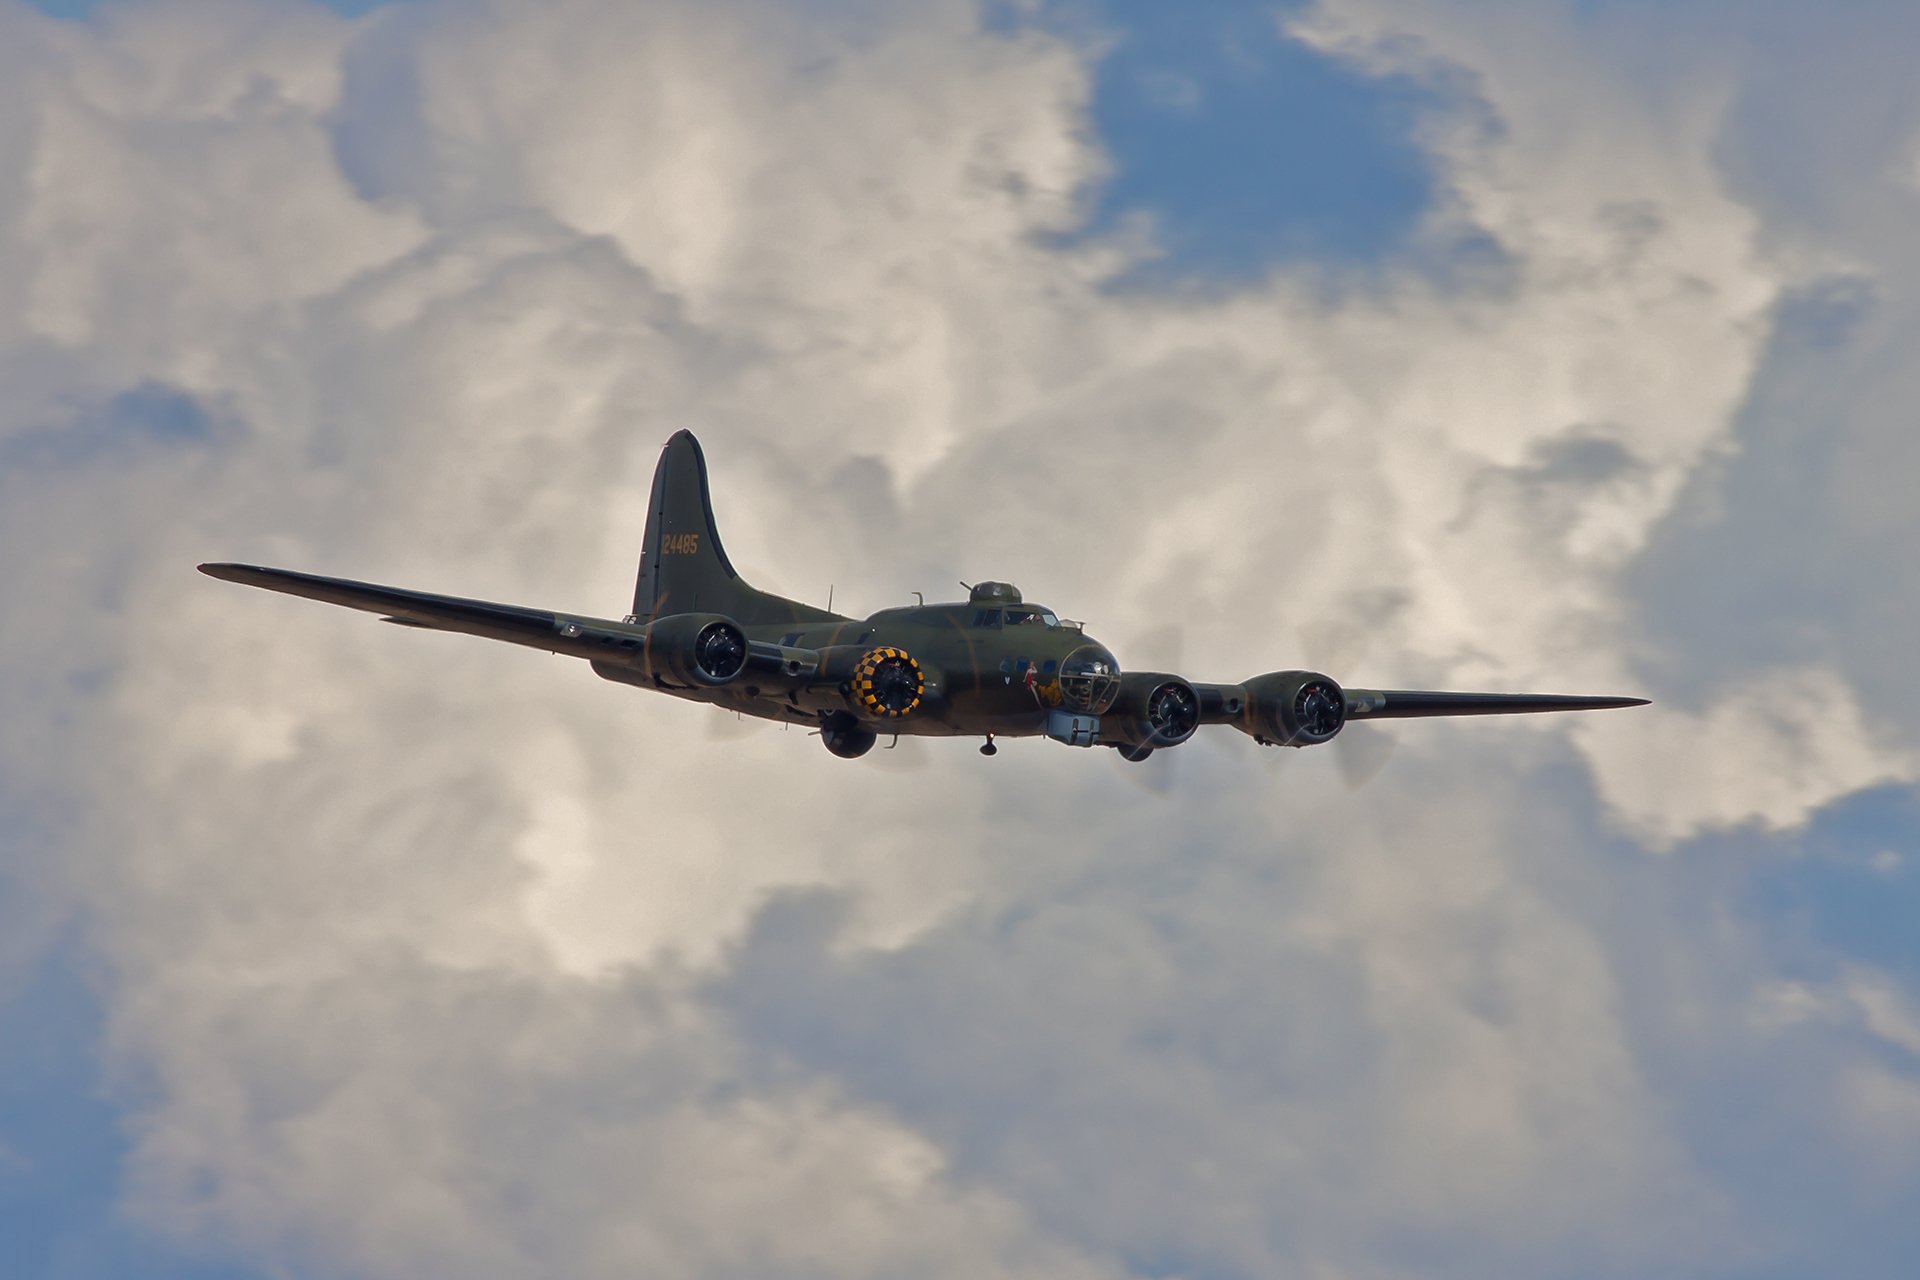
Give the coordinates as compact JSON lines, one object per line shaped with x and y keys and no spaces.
{"x":1151,"y":710}
{"x":886,"y":684}
{"x":695,"y":649}
{"x":1293,"y":708}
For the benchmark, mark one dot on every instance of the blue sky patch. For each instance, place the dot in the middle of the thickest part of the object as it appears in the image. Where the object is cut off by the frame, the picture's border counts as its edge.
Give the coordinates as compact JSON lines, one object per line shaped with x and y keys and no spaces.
{"x":61,"y":1145}
{"x":1249,"y":149}
{"x":125,"y":425}
{"x":1855,"y":888}
{"x":1843,"y":889}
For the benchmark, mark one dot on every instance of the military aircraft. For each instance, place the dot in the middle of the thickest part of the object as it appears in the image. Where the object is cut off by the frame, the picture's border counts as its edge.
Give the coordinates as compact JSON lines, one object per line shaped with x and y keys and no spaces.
{"x":993,"y":666}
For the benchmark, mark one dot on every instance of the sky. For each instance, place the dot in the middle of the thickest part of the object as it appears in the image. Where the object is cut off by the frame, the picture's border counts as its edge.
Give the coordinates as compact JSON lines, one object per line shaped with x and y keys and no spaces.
{"x":1453,"y":344}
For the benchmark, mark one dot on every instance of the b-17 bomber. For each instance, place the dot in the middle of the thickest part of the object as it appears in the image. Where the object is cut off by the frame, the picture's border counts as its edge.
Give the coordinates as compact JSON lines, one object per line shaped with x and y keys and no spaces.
{"x":991,"y":666}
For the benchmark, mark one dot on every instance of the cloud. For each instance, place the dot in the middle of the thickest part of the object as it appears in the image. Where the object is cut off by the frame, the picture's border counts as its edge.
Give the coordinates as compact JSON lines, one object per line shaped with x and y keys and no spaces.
{"x":1223,"y":1082}
{"x":1811,"y":746}
{"x":435,"y":957}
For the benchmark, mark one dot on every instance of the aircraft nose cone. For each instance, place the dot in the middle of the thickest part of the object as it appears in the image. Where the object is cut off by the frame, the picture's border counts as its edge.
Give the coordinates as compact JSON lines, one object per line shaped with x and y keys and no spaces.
{"x":1089,"y":679}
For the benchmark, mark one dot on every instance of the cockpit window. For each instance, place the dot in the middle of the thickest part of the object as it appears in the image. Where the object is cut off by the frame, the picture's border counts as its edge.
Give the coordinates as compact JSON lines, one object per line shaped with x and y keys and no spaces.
{"x":1029,"y":616}
{"x":986,"y":617}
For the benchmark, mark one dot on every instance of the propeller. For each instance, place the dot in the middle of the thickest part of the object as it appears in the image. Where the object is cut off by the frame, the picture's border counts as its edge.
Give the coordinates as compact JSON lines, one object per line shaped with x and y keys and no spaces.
{"x":1361,"y":751}
{"x":1173,"y":712}
{"x":896,"y":685}
{"x":1320,"y":709}
{"x":721,"y":650}
{"x":1158,"y":649}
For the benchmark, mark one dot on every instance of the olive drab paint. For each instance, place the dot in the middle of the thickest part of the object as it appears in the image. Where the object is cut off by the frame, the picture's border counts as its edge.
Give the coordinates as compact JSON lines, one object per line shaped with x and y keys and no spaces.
{"x":995,"y":665}
{"x":683,"y":566}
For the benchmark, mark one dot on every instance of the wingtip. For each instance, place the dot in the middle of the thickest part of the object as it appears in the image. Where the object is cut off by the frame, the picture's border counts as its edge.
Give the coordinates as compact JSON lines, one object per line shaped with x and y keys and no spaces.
{"x":249,"y":575}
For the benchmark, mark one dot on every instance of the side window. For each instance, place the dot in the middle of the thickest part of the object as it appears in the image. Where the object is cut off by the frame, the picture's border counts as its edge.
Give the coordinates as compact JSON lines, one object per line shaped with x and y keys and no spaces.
{"x":986,"y":618}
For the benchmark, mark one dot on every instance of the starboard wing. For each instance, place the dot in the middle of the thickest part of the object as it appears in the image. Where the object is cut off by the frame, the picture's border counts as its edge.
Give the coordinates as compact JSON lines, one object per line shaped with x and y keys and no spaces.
{"x":1402,"y":704}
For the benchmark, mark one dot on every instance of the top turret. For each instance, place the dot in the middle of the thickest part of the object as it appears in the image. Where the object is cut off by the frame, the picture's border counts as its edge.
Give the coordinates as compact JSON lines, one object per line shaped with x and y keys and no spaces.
{"x":994,"y":593}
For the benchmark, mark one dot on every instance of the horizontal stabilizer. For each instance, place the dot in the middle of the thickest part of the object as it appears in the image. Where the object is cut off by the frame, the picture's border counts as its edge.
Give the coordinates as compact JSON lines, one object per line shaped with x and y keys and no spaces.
{"x":1400,"y":704}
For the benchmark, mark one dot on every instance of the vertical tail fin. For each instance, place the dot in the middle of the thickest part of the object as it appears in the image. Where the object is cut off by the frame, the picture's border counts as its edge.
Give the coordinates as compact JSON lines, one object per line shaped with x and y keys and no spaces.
{"x":683,"y":567}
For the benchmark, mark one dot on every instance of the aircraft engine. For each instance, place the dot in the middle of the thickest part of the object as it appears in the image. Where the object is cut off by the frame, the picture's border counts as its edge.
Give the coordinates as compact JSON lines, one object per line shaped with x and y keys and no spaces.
{"x":1152,"y":710}
{"x":887,"y":684}
{"x":1294,"y":708}
{"x":696,"y":649}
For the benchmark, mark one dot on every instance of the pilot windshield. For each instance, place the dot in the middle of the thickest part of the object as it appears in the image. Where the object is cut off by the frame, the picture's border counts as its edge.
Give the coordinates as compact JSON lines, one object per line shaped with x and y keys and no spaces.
{"x":1031,"y":617}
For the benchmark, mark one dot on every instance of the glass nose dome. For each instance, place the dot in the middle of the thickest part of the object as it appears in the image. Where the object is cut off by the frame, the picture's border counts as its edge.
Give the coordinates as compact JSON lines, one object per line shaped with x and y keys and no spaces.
{"x":1089,"y":679}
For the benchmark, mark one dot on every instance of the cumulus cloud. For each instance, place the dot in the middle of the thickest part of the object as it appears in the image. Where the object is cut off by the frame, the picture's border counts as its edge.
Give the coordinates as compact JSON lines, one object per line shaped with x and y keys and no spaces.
{"x":434,"y":957}
{"x":1801,"y":731}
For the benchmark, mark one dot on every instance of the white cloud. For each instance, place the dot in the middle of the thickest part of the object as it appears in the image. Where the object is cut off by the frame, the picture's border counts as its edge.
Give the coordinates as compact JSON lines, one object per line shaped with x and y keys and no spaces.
{"x":434,"y":957}
{"x":1785,"y":744}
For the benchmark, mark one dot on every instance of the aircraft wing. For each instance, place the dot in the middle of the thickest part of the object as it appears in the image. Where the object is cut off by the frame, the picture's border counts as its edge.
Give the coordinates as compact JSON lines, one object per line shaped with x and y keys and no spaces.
{"x":1400,"y":704}
{"x":407,"y":608}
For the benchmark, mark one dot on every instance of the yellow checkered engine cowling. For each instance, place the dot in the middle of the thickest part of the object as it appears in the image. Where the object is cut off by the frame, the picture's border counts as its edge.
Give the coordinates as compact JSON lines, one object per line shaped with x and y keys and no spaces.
{"x":887,"y":683}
